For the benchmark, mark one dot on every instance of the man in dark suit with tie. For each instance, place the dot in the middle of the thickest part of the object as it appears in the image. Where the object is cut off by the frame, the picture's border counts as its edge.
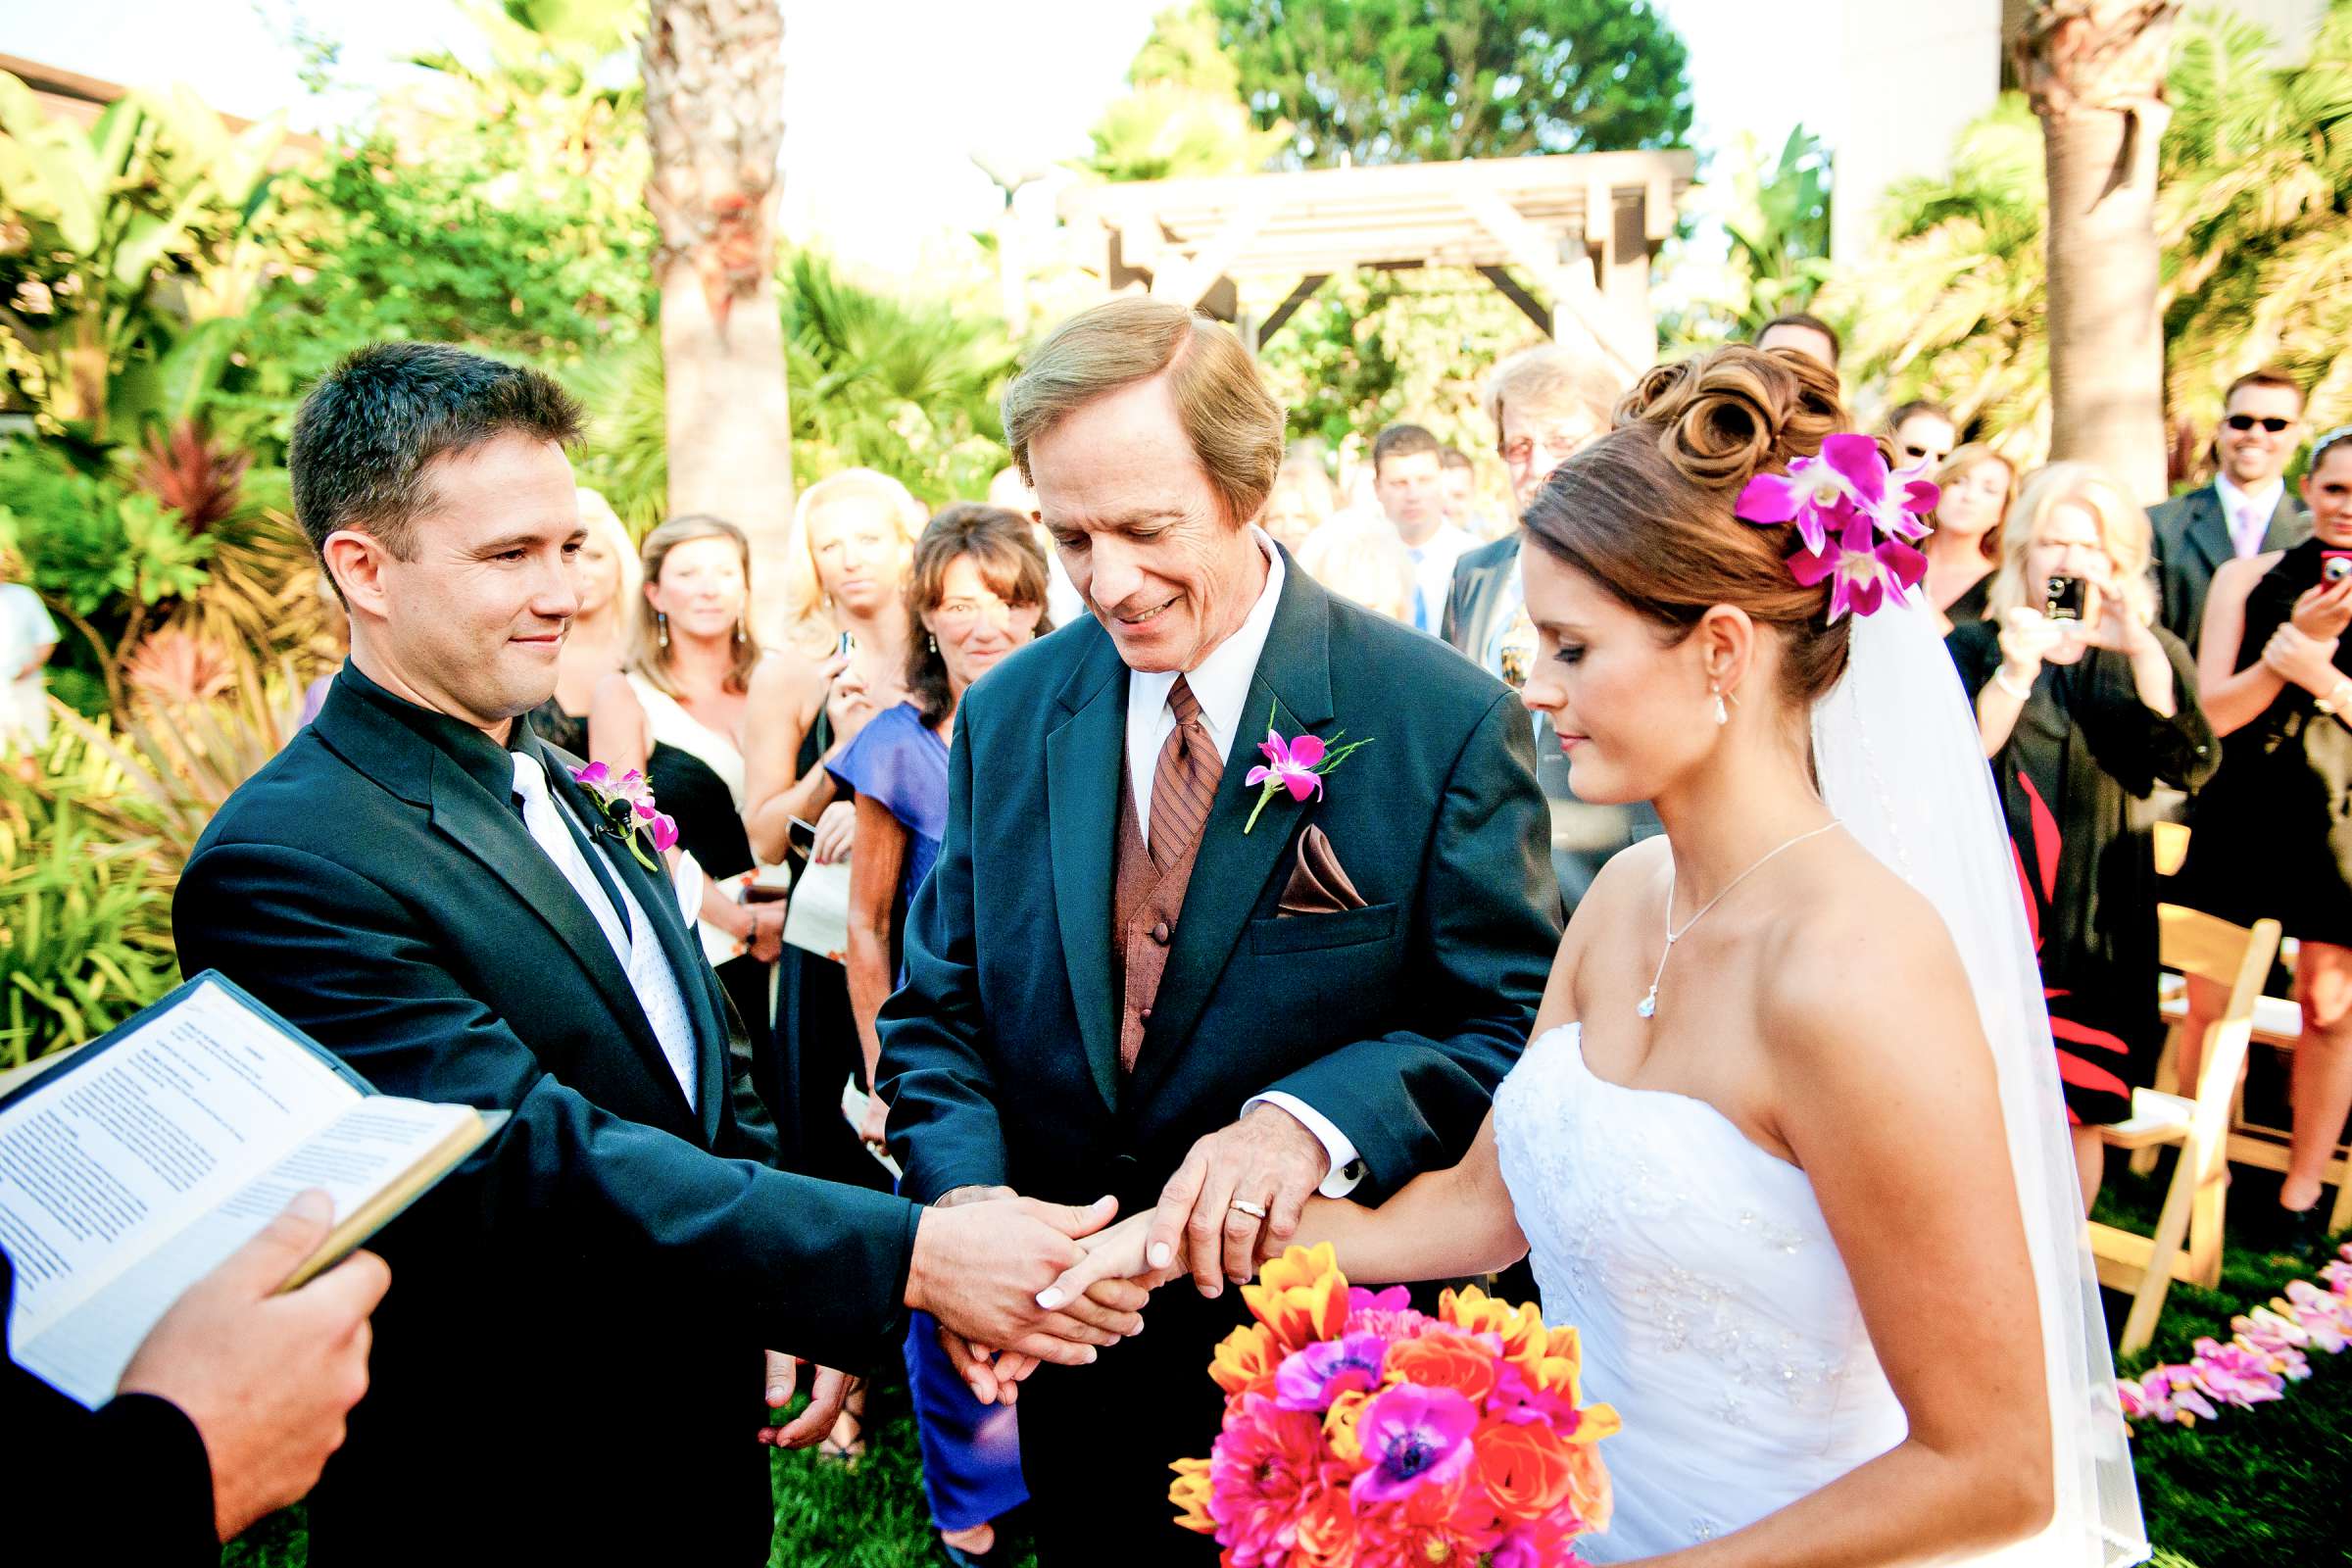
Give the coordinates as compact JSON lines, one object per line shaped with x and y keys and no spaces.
{"x":2248,"y":507}
{"x":1119,"y":979}
{"x":566,"y":1371}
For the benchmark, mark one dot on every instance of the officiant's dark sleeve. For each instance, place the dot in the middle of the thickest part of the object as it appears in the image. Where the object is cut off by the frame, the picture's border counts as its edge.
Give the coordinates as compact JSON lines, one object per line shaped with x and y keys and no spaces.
{"x":814,"y":1268}
{"x":1487,"y":926}
{"x":72,"y":1472}
{"x":944,"y":1125}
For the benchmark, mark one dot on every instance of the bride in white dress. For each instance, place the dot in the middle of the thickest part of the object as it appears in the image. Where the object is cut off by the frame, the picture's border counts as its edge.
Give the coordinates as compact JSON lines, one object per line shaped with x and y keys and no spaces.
{"x":1798,"y":1173}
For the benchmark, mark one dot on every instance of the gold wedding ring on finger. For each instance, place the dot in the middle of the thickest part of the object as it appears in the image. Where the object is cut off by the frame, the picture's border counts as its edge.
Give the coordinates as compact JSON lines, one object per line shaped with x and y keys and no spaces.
{"x":1243,"y":1205}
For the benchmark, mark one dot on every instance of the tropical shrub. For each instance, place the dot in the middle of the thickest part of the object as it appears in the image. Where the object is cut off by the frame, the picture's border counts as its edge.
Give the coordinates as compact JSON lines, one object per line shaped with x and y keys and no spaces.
{"x":2255,"y":172}
{"x":85,"y":920}
{"x":906,"y":384}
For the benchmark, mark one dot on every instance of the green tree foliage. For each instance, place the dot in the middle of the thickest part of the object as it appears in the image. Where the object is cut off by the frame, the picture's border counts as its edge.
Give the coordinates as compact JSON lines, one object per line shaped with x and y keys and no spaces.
{"x":1775,"y":222}
{"x":114,"y":239}
{"x":1373,"y":348}
{"x":503,"y":210}
{"x":1391,"y":81}
{"x":904,"y":384}
{"x":1950,"y":304}
{"x":1185,"y":115}
{"x":2255,"y":171}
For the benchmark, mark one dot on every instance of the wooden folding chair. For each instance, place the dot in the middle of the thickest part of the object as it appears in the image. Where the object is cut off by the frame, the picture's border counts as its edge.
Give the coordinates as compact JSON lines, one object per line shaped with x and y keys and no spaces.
{"x":2188,"y":1244}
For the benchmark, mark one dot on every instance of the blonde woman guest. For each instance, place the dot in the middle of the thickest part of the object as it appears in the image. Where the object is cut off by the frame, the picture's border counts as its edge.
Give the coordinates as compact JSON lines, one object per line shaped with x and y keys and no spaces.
{"x":1300,"y":501}
{"x":1978,"y":485}
{"x":598,"y":635}
{"x":977,"y":594}
{"x":853,"y":533}
{"x":2269,"y":833}
{"x":1359,"y":556}
{"x":675,"y":710}
{"x":2083,"y":717}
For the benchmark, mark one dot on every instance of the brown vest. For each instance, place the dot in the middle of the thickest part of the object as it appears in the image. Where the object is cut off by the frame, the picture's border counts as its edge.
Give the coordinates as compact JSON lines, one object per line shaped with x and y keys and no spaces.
{"x":1145,"y":902}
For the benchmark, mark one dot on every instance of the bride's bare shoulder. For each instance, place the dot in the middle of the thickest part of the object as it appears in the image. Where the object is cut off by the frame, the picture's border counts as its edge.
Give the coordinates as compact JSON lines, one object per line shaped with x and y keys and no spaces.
{"x":1864,"y":960}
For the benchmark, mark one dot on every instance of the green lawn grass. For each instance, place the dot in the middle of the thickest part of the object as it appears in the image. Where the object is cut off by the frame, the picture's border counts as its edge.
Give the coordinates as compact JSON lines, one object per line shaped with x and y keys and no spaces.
{"x":2258,"y":1489}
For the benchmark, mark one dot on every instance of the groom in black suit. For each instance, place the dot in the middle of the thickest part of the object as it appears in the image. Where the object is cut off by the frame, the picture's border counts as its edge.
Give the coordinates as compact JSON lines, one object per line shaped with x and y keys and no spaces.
{"x":1117,"y":983}
{"x":566,"y":1372}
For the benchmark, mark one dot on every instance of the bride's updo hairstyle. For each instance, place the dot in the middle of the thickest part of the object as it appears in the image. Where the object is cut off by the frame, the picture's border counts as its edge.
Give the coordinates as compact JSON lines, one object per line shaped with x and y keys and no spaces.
{"x":1645,"y":511}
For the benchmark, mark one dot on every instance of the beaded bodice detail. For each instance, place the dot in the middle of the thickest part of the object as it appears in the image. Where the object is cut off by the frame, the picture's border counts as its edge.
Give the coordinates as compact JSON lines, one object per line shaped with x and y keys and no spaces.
{"x":1715,"y":1310}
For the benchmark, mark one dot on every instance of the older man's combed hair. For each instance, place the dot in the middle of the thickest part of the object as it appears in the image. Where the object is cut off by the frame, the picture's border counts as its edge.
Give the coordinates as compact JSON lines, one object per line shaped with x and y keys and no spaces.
{"x":1234,"y":425}
{"x":366,"y":432}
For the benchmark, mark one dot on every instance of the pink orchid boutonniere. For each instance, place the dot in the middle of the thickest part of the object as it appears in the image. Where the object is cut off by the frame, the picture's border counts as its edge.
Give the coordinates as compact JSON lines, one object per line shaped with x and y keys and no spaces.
{"x":1296,"y":765}
{"x":625,"y":809}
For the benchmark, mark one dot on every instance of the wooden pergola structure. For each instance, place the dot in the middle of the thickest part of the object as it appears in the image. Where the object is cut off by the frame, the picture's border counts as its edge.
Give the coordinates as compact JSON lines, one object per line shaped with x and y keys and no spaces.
{"x":1568,"y":239}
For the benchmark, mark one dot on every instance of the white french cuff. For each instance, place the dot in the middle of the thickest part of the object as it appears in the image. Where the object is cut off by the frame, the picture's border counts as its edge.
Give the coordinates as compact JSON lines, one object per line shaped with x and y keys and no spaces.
{"x":1346,"y":1167}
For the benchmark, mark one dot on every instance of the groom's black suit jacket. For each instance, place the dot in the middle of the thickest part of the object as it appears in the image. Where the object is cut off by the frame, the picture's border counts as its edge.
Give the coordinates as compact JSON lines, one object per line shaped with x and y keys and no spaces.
{"x":568,"y":1362}
{"x":1396,"y":1020}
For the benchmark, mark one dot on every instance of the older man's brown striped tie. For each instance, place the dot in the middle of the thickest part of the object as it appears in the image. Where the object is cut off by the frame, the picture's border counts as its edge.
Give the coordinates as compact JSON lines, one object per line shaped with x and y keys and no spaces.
{"x":1185,"y":782}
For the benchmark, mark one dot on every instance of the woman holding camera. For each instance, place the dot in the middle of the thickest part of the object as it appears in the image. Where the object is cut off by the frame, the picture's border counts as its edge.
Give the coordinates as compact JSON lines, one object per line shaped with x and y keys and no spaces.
{"x":2273,"y":832}
{"x":2085,"y":706}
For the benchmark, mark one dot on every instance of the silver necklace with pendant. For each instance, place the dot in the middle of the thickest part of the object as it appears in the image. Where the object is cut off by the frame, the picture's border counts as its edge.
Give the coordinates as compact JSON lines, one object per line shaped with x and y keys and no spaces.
{"x":1648,"y":1006}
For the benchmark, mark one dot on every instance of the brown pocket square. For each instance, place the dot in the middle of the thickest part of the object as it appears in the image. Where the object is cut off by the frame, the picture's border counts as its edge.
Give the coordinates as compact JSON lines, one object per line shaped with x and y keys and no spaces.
{"x":1318,"y":884}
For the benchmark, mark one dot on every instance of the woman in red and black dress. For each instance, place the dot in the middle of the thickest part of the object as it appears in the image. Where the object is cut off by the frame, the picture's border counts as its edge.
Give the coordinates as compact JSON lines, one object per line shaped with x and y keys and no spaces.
{"x":2080,"y":718}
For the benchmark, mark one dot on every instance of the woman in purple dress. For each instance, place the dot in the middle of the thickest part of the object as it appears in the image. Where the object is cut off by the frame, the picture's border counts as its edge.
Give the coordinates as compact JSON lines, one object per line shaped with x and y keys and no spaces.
{"x":975,"y":592}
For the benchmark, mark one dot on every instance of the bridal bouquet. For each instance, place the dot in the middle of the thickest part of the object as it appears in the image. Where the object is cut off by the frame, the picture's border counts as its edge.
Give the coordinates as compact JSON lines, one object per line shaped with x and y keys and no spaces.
{"x":1360,"y":1433}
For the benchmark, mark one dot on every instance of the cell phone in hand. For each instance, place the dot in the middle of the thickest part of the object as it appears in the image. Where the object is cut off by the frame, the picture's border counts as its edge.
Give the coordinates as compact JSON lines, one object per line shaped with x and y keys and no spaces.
{"x":2064,"y":597}
{"x":2335,"y":565}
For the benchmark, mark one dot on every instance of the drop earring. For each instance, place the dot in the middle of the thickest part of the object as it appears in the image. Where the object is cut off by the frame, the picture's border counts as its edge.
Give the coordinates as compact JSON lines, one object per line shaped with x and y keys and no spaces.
{"x":739,"y":634}
{"x":662,"y":625}
{"x":933,"y":639}
{"x":1723,"y":715}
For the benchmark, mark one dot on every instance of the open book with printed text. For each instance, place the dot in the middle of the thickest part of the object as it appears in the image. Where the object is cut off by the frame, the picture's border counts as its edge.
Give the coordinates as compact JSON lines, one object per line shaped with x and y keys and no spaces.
{"x":139,"y":1163}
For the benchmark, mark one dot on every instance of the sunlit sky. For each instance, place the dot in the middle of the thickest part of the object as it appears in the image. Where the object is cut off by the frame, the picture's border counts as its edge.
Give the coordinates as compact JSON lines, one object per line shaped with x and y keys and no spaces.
{"x":886,"y":100}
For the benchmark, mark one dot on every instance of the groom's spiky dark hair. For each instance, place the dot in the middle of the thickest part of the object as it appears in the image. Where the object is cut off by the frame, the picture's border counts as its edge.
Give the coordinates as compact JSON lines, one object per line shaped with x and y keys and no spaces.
{"x":372,"y":425}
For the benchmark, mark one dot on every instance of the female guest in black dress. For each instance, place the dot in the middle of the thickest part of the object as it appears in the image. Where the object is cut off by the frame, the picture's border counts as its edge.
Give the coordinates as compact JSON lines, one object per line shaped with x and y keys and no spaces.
{"x":1977,"y":485}
{"x":2272,"y":835}
{"x":2080,"y":718}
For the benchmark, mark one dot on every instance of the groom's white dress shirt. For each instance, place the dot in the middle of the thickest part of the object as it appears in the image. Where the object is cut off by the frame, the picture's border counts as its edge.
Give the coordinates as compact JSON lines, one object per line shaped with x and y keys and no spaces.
{"x":635,"y":945}
{"x":1221,"y":685}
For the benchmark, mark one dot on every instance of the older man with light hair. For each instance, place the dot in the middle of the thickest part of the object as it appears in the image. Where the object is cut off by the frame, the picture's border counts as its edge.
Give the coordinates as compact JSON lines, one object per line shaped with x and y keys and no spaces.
{"x":1132,"y":972}
{"x":1546,"y":403}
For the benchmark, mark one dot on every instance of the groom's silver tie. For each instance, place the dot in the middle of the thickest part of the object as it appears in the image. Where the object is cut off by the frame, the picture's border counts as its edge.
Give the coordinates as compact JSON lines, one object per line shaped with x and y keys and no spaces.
{"x":1185,"y":781}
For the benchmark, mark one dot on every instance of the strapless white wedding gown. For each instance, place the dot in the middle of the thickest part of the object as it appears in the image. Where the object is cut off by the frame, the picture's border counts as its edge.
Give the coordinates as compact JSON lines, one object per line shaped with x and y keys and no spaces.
{"x":1715,"y":1311}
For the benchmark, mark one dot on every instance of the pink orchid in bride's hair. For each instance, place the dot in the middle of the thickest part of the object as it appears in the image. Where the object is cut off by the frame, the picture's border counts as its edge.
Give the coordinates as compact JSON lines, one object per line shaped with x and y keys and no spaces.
{"x":1862,"y":567}
{"x":1818,"y":494}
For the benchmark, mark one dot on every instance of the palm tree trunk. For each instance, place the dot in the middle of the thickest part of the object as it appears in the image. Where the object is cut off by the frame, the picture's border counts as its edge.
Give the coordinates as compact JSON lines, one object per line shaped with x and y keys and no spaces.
{"x":2094,"y":69}
{"x":715,"y":118}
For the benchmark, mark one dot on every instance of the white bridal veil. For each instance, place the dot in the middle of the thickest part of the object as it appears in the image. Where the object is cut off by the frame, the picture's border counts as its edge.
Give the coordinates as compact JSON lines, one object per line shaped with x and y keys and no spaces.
{"x":1898,"y":748}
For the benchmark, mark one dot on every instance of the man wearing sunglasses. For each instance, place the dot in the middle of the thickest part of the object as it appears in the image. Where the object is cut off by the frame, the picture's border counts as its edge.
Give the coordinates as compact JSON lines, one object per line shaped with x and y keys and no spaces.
{"x":2246,"y":509}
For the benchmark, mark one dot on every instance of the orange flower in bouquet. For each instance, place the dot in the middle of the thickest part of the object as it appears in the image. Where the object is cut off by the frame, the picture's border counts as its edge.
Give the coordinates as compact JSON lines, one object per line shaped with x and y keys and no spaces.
{"x":1360,"y":1432}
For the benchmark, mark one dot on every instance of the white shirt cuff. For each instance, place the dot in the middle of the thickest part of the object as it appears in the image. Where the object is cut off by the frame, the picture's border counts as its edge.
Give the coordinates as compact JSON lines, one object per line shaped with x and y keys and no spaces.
{"x":1347,"y":1169}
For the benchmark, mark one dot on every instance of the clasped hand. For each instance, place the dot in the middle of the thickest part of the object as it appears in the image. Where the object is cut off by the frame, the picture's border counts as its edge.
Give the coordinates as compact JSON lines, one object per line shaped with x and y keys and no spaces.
{"x":1235,"y":1202}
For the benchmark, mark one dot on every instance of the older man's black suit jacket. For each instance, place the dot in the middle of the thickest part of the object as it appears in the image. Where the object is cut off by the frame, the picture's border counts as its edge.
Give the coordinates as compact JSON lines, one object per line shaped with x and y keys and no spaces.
{"x":569,"y":1363}
{"x":1396,"y":1020}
